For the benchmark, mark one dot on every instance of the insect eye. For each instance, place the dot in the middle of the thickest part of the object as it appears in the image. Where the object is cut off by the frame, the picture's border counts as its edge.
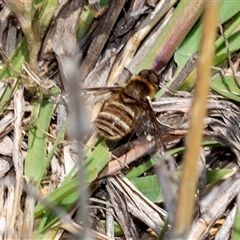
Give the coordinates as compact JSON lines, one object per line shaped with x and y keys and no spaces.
{"x":150,"y":75}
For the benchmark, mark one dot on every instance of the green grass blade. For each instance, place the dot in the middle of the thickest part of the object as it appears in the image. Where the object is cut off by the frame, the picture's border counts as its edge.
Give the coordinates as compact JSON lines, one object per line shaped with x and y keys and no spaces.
{"x":67,"y":195}
{"x":36,"y":161}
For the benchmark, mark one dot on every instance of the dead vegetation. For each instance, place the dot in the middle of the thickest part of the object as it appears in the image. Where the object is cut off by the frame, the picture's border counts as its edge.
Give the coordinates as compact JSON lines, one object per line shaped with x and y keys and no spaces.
{"x":64,"y":46}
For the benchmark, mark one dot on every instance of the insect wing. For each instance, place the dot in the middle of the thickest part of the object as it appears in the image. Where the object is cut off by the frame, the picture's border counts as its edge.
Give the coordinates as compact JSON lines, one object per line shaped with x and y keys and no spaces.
{"x":101,"y":90}
{"x":97,"y":95}
{"x":148,"y":129}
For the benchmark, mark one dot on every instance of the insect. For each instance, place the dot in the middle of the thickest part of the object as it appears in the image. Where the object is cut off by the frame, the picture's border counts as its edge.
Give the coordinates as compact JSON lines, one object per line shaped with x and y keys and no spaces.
{"x":126,"y":109}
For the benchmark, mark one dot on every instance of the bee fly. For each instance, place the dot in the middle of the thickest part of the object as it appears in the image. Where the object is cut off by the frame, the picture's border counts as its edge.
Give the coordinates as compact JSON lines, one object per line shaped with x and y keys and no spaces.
{"x":122,"y":112}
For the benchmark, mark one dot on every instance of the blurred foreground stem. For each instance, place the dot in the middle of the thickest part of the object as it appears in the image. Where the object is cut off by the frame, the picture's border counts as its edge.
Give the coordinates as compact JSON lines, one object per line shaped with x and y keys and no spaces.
{"x":187,"y":190}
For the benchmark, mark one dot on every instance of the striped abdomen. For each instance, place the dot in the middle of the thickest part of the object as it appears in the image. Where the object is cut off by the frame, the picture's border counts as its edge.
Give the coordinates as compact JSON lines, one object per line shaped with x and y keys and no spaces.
{"x":115,"y":120}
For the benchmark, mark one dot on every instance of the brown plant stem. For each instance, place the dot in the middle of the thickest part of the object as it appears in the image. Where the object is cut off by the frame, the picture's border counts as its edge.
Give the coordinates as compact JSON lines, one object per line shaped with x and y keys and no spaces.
{"x":185,"y":204}
{"x":184,"y":17}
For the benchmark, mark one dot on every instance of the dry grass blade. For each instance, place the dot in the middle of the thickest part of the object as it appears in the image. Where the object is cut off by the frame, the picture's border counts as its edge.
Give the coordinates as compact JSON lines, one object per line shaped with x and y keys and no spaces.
{"x":64,"y":35}
{"x":213,"y":206}
{"x":185,"y":16}
{"x":221,"y":123}
{"x":138,"y":150}
{"x":140,"y":33}
{"x":50,"y":175}
{"x":16,"y":213}
{"x":138,"y":205}
{"x":101,"y":35}
{"x":117,"y":164}
{"x":189,"y":175}
{"x":6,"y":146}
{"x":123,"y":215}
{"x":226,"y":131}
{"x":226,"y":229}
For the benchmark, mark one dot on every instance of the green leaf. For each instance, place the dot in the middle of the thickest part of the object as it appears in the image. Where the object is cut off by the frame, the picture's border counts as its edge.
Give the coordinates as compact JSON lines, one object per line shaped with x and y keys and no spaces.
{"x":215,"y":175}
{"x":67,"y":194}
{"x":117,"y":228}
{"x":236,"y":227}
{"x":36,"y":161}
{"x":188,"y":47}
{"x":139,"y":170}
{"x":228,"y":9}
{"x":98,"y":160}
{"x":149,"y":187}
{"x":17,"y":59}
{"x":184,"y":17}
{"x":43,"y":17}
{"x":228,"y":32}
{"x":226,"y":87}
{"x":87,"y":17}
{"x":85,"y":22}
{"x":190,"y":44}
{"x":64,"y":197}
{"x":234,"y":45}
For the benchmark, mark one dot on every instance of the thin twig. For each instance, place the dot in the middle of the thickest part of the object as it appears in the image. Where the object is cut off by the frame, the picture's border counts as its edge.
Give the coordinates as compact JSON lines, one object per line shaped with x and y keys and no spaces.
{"x":229,"y":55}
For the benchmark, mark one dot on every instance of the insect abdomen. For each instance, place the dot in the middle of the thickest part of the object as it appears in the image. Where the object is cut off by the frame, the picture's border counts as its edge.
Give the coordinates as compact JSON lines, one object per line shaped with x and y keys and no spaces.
{"x":115,"y":120}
